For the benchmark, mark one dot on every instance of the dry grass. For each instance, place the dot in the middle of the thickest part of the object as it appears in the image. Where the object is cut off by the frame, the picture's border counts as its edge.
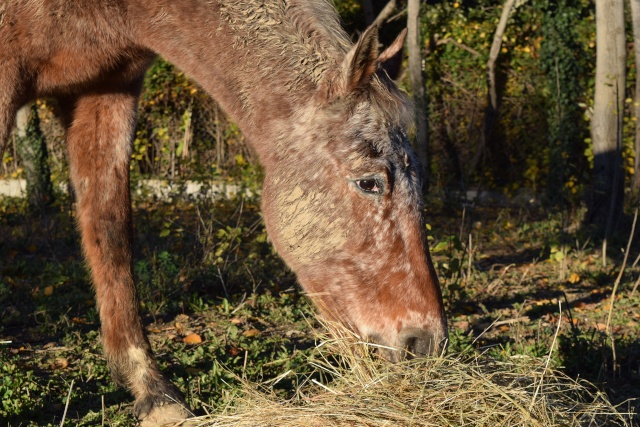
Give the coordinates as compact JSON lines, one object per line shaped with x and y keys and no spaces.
{"x":453,"y":390}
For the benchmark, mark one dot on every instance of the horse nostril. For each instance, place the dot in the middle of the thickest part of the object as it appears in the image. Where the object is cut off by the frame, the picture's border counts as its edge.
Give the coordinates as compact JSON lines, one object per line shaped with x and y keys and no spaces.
{"x":418,"y":346}
{"x":421,"y":343}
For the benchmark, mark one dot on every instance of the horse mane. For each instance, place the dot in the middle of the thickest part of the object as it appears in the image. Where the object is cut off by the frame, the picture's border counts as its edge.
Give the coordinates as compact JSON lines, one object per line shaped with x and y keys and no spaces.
{"x":309,"y":40}
{"x":309,"y":47}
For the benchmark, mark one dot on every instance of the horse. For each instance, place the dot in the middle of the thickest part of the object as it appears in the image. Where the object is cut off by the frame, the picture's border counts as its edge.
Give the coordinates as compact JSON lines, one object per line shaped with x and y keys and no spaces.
{"x":341,"y":197}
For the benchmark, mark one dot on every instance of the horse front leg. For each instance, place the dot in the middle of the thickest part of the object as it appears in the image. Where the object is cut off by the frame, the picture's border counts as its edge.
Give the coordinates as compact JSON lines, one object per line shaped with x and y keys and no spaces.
{"x":99,"y":134}
{"x":11,"y":92}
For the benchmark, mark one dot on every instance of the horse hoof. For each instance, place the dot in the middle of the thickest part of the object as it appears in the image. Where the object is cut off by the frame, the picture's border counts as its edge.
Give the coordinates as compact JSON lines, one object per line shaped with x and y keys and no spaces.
{"x":166,"y":415}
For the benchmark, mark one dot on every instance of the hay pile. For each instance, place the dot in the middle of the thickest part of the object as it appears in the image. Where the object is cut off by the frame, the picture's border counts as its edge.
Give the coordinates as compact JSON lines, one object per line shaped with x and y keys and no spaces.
{"x":452,"y":390}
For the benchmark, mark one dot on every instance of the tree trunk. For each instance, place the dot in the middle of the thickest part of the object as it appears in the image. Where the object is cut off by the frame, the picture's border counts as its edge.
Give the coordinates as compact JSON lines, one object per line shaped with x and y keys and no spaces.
{"x":421,"y":143}
{"x":367,"y":8}
{"x":605,"y":204}
{"x":495,"y":50}
{"x":32,"y":149}
{"x":635,"y":15}
{"x":491,"y":112}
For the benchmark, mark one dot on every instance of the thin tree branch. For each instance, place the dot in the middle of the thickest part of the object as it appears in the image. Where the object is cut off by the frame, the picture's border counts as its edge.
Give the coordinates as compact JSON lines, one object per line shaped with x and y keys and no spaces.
{"x":385,"y":13}
{"x":460,"y":45}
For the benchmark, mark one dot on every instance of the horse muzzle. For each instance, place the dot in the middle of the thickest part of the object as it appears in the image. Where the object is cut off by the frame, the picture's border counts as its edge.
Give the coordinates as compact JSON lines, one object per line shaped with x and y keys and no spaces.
{"x":415,"y":342}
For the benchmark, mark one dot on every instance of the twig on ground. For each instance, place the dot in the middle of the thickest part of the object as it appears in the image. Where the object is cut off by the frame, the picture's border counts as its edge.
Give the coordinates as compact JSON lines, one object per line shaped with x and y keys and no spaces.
{"x":510,"y":321}
{"x":608,"y":330}
{"x":624,"y":263}
{"x":546,"y":366}
{"x":66,"y":406}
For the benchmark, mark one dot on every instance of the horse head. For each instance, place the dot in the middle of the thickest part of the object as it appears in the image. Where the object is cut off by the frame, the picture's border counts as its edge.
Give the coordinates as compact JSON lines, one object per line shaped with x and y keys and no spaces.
{"x":343,"y":206}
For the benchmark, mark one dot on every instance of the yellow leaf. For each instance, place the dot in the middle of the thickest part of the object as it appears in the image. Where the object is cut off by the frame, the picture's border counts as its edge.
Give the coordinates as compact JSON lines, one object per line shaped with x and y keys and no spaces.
{"x":192,"y":339}
{"x":48,"y":291}
{"x":574,"y":278}
{"x":251,"y":333}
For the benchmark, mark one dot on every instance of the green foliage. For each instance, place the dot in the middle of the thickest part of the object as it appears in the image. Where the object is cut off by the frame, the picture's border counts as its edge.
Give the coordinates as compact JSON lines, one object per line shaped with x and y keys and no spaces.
{"x":33,"y":152}
{"x":181,"y":132}
{"x":545,"y":73}
{"x":18,"y":388}
{"x":565,"y":57}
{"x":539,"y":140}
{"x":221,"y":280}
{"x":458,"y":36}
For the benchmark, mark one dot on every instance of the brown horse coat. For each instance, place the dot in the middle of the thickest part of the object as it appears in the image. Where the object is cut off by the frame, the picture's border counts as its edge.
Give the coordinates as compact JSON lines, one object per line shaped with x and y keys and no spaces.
{"x":341,"y":198}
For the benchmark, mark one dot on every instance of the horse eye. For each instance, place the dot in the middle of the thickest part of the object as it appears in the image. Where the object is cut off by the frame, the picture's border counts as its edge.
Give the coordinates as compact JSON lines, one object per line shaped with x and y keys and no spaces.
{"x":369,"y":185}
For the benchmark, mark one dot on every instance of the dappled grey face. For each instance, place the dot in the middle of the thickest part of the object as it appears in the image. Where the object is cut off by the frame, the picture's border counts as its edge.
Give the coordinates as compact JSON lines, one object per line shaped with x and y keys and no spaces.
{"x":380,"y":160}
{"x":347,"y":218}
{"x":343,"y":207}
{"x":344,"y":185}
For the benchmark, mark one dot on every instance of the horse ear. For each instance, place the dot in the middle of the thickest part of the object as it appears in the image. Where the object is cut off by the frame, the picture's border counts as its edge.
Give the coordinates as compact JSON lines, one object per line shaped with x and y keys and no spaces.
{"x":361,"y":62}
{"x":391,"y":59}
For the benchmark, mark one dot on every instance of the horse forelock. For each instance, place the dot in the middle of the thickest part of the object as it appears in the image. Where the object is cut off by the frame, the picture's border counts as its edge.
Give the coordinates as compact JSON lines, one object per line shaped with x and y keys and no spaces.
{"x":389,"y":102}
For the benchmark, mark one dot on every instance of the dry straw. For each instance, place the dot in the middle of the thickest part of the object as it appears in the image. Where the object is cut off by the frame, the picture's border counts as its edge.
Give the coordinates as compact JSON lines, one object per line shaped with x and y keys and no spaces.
{"x":452,"y":390}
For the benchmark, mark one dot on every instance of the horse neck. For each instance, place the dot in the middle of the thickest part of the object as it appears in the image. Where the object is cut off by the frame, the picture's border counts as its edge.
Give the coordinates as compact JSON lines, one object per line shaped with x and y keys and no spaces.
{"x":253,"y":80}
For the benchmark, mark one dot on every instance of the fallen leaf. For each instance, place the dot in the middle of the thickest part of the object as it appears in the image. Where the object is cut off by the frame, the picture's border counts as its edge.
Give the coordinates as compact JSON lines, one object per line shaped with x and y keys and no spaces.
{"x":601,"y":327}
{"x":574,"y":278}
{"x":462,"y":325}
{"x":192,"y":339}
{"x":48,"y":291}
{"x":251,"y":333}
{"x":60,"y":363}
